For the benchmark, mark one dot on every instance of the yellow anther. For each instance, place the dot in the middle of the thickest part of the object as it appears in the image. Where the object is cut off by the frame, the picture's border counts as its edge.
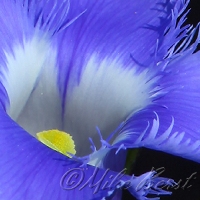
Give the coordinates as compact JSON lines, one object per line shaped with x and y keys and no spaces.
{"x":58,"y":140}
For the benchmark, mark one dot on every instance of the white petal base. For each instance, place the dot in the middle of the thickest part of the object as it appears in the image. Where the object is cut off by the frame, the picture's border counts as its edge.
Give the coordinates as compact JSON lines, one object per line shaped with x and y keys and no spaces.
{"x":31,"y":83}
{"x":106,"y":95}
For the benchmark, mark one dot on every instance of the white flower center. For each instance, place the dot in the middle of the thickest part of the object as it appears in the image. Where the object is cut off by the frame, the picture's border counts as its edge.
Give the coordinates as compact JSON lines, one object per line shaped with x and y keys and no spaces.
{"x":106,"y":94}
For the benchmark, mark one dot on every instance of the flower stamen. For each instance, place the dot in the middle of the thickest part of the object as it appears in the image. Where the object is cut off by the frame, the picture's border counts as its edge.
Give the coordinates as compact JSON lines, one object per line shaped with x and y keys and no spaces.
{"x":58,"y":140}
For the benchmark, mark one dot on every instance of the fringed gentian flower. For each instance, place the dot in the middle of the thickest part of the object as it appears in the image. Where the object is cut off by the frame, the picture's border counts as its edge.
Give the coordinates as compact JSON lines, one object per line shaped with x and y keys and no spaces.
{"x":120,"y":72}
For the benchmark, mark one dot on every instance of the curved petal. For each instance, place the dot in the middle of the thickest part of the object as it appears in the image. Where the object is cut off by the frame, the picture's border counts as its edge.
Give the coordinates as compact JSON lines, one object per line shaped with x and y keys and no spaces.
{"x":30,"y":170}
{"x":171,"y":122}
{"x":178,"y":111}
{"x":99,"y":80}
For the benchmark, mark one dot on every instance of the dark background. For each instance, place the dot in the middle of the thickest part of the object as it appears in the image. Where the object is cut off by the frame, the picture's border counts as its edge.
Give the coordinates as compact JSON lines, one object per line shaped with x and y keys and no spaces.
{"x":176,"y":168}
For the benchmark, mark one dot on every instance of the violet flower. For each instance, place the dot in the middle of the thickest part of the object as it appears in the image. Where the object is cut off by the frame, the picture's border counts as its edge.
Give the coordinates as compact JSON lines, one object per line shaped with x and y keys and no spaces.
{"x":122,"y":72}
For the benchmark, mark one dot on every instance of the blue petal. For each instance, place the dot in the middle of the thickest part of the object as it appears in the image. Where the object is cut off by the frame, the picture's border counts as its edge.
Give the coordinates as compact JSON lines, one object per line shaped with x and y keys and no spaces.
{"x":178,"y":112}
{"x":171,"y":122}
{"x":30,"y":170}
{"x":113,"y":30}
{"x":98,"y":62}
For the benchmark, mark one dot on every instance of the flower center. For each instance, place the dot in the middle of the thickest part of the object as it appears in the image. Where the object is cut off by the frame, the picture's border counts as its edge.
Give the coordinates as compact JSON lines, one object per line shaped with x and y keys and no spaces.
{"x":58,"y":140}
{"x":37,"y":100}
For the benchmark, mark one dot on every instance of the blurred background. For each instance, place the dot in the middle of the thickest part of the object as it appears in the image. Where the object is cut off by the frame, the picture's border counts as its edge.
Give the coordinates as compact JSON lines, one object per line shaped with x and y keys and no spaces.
{"x":184,"y":172}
